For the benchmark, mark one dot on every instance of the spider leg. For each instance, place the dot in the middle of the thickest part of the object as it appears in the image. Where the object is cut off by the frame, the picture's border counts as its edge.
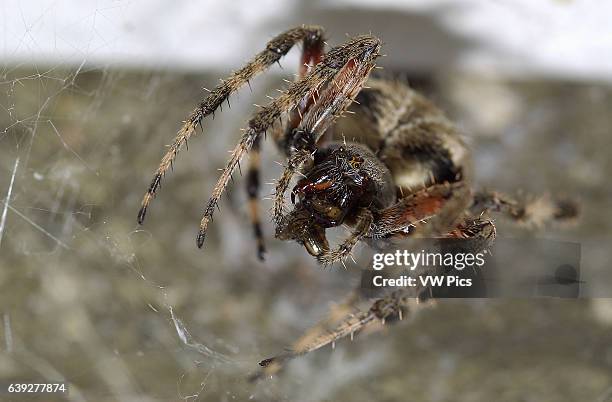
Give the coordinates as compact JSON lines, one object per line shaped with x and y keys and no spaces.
{"x":434,"y":204}
{"x":295,"y":164}
{"x":350,"y":323}
{"x":336,"y":315}
{"x":439,"y":205}
{"x":252,"y":186}
{"x":311,"y":56}
{"x":275,"y":49}
{"x":361,"y":230}
{"x":359,"y":52}
{"x":348,"y":319}
{"x":525,"y":211}
{"x":331,"y":103}
{"x":474,"y":227}
{"x":312,"y":52}
{"x":479,"y":233}
{"x":388,"y":308}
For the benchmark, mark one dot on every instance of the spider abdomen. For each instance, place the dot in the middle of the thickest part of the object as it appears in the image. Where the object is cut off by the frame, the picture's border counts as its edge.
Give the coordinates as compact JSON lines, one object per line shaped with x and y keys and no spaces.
{"x":409,"y":134}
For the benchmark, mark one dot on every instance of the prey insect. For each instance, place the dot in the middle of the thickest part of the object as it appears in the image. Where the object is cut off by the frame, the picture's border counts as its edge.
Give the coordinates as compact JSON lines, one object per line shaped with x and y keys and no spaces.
{"x":368,"y":153}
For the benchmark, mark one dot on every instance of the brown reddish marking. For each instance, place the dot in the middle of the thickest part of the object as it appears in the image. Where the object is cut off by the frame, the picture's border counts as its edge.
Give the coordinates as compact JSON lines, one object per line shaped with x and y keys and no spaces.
{"x":422,"y":206}
{"x":335,"y":96}
{"x":427,"y":206}
{"x":311,"y":56}
{"x":321,"y":186}
{"x":305,"y":186}
{"x":254,"y":210}
{"x":456,"y":234}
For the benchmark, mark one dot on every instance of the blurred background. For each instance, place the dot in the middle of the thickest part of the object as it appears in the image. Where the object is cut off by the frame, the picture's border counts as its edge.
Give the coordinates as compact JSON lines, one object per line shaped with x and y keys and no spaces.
{"x":92,"y":91}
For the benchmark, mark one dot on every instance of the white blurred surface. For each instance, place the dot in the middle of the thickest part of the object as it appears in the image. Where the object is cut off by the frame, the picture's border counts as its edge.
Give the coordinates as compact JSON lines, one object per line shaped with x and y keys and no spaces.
{"x":571,"y":39}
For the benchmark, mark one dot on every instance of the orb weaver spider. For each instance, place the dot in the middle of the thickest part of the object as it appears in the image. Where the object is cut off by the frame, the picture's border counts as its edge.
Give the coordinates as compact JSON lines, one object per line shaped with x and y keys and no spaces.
{"x":404,"y":172}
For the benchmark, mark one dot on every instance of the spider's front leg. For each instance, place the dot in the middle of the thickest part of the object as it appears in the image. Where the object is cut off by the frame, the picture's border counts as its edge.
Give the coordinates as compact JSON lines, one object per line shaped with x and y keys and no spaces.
{"x":312,"y":36}
{"x":312,"y":52}
{"x":357,"y":54}
{"x":327,"y":105}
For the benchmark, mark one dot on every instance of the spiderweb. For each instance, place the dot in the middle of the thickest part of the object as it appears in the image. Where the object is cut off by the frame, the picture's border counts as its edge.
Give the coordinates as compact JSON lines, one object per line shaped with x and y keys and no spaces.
{"x":124,"y":312}
{"x":132,"y":311}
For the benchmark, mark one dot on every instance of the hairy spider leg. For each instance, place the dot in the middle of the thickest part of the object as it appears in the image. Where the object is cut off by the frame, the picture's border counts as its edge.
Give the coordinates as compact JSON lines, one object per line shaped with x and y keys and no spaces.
{"x":430,"y":211}
{"x":312,"y":54}
{"x":533,"y":211}
{"x":353,"y":323}
{"x":334,"y":316}
{"x":393,"y":307}
{"x":313,"y":47}
{"x":316,"y":339}
{"x":334,"y":99}
{"x":252,"y":187}
{"x":360,"y":50}
{"x":295,"y":164}
{"x":433,"y":205}
{"x":275,"y":49}
{"x":344,"y":249}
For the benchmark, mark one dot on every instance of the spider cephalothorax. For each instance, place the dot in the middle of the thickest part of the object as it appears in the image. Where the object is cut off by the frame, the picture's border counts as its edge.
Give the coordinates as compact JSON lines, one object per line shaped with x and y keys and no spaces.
{"x":341,"y":181}
{"x":343,"y":178}
{"x":394,"y":165}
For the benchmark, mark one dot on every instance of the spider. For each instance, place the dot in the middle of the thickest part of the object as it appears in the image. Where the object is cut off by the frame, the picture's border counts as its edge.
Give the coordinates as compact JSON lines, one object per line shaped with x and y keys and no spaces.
{"x":405,"y":171}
